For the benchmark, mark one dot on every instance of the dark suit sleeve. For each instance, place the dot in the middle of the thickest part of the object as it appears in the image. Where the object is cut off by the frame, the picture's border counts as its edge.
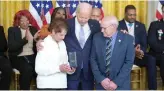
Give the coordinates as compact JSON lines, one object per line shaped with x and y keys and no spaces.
{"x":98,"y":28}
{"x":3,"y":41}
{"x":13,"y":43}
{"x":143,"y":39}
{"x":128,"y":63}
{"x":152,"y":39}
{"x":94,"y":64}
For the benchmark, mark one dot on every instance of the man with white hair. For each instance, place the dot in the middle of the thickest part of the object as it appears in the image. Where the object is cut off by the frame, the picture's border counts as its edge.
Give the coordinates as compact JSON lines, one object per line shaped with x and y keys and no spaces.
{"x":79,"y":40}
{"x":112,"y":56}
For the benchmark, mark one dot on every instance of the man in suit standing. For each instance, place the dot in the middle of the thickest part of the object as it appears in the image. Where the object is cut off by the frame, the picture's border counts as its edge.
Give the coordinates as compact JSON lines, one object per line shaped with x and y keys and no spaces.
{"x":112,"y":56}
{"x":156,"y":42}
{"x":138,"y":31}
{"x":5,"y":66}
{"x":78,"y":39}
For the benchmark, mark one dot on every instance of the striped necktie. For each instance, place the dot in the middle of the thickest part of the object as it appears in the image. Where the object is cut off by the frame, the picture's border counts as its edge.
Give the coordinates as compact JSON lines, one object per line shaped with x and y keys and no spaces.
{"x":108,"y":54}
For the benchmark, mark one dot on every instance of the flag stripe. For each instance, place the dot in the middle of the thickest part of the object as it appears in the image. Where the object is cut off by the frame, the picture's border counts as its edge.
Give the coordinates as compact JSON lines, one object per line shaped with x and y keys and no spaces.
{"x":36,"y":16}
{"x":41,"y":11}
{"x":72,"y":4}
{"x":159,"y":10}
{"x":48,"y":17}
{"x":158,"y":15}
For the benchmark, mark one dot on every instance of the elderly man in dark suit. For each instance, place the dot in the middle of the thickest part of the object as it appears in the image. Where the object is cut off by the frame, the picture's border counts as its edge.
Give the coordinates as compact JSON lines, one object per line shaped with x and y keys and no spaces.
{"x":156,"y":42}
{"x":138,"y":31}
{"x":112,"y":56}
{"x":5,"y":66}
{"x":78,"y":39}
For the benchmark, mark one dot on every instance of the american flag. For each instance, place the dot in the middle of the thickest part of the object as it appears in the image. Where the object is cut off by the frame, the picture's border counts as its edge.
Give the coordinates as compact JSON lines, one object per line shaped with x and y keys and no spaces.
{"x":72,"y":4}
{"x":159,"y":10}
{"x":41,"y":12}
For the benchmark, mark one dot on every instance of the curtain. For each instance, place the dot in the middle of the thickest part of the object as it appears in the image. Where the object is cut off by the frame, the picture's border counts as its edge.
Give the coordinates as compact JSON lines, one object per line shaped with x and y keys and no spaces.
{"x":117,"y":8}
{"x":9,"y":8}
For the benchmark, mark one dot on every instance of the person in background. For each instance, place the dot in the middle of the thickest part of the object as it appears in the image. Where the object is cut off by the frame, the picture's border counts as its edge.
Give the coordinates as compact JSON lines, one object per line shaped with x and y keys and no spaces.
{"x":156,"y":42}
{"x":58,"y":12}
{"x":5,"y":66}
{"x":22,"y":48}
{"x":138,"y":31}
{"x":96,"y":14}
{"x":112,"y":56}
{"x":52,"y":61}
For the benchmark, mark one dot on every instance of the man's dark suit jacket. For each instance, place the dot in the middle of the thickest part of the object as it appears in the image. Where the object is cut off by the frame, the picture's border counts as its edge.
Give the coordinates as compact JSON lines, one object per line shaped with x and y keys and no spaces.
{"x":15,"y":41}
{"x":156,"y":45}
{"x":3,"y":42}
{"x":121,"y":61}
{"x":139,"y":33}
{"x":83,"y":55}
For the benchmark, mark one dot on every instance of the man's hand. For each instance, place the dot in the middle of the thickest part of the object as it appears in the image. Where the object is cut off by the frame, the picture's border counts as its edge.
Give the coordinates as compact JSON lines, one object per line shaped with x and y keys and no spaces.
{"x":124,"y":31}
{"x":37,"y":35}
{"x":39,"y":46}
{"x":142,"y":54}
{"x":112,"y":85}
{"x":138,"y":52}
{"x":72,"y":70}
{"x":105,"y":83}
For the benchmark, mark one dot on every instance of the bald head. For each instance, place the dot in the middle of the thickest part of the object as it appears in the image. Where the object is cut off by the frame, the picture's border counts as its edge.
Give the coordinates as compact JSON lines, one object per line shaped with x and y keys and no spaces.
{"x":83,"y":12}
{"x":96,"y":14}
{"x":109,"y":25}
{"x":110,"y":20}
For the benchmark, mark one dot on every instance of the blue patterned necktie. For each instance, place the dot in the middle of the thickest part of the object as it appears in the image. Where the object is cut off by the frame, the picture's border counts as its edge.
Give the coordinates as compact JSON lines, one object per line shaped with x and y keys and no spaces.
{"x":108,"y":54}
{"x":81,"y":37}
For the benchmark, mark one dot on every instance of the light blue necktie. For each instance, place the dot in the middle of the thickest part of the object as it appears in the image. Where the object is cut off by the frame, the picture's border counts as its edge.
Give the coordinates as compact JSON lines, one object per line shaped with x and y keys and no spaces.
{"x":81,"y":41}
{"x":81,"y":37}
{"x":130,"y":24}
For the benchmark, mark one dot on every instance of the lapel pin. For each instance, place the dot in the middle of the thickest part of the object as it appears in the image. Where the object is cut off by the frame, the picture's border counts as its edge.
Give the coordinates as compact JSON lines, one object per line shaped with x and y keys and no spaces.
{"x":119,"y":40}
{"x":136,"y":25}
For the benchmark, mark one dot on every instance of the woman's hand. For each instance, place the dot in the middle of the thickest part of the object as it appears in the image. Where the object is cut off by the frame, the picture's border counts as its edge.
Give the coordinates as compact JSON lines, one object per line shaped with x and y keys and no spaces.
{"x":66,"y":68}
